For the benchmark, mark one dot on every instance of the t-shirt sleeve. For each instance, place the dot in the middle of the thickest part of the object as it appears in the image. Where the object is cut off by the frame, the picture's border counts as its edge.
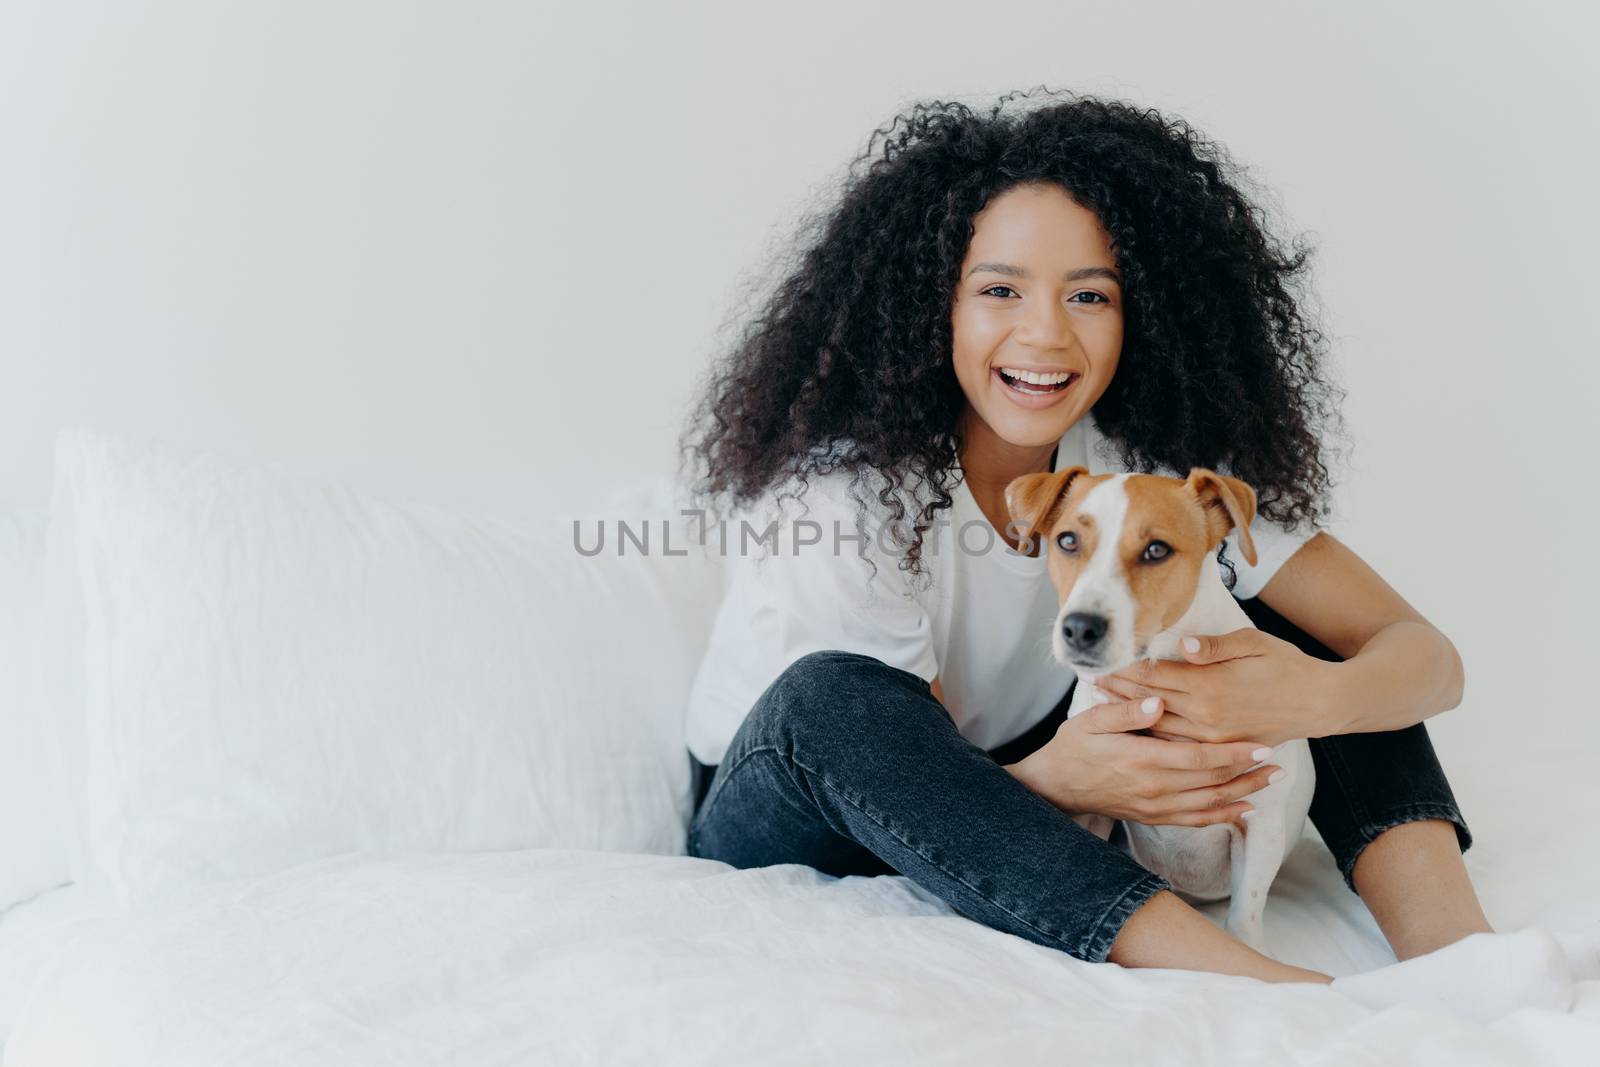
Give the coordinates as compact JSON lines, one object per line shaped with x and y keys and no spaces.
{"x":832,"y":584}
{"x":1274,"y":543}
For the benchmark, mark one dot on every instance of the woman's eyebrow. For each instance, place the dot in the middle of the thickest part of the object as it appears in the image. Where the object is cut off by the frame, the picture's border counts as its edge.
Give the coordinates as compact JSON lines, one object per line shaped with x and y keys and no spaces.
{"x":1076,"y":274}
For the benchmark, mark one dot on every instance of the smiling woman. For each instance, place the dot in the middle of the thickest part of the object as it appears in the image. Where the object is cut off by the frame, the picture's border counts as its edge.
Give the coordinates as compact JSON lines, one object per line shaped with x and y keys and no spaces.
{"x":1007,"y":349}
{"x":1080,"y":283}
{"x":1034,"y":354}
{"x":1108,"y":232}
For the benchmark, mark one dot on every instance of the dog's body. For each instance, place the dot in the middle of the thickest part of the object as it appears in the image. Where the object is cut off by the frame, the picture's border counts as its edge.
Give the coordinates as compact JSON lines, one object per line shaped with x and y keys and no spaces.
{"x":1206,"y":863}
{"x":1133,"y":616}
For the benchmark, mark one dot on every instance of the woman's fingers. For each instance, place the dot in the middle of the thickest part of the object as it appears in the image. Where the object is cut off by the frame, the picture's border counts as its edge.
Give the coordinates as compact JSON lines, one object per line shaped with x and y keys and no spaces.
{"x":1214,"y":798}
{"x":1120,"y":717}
{"x":1173,"y":782}
{"x":1171,"y":723}
{"x":1232,"y":813}
{"x":1200,"y":755}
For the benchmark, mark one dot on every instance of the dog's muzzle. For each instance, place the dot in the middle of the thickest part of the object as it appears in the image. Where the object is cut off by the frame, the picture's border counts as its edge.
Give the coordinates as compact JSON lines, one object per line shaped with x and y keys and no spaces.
{"x":1084,"y":633}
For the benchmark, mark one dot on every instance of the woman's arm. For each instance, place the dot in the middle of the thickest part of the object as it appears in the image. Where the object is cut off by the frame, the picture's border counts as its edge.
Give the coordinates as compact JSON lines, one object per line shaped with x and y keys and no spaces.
{"x":1398,"y":669}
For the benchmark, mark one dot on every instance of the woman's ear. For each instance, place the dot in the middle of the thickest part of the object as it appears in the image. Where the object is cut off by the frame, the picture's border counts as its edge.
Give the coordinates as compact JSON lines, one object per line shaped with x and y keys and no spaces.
{"x":1033,"y":499}
{"x":1228,"y":504}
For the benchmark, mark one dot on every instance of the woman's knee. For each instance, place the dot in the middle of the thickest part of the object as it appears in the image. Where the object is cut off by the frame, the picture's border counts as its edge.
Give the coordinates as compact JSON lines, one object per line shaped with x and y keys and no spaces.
{"x":834,"y":693}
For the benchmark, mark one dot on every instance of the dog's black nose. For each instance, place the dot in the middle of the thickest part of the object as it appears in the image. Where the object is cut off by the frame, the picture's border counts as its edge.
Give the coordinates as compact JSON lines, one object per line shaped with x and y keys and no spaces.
{"x":1082,"y":630}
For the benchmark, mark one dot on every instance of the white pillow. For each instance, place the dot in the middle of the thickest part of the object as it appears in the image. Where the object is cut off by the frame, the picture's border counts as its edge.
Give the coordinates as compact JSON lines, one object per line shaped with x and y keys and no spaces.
{"x":278,"y":668}
{"x":33,"y":853}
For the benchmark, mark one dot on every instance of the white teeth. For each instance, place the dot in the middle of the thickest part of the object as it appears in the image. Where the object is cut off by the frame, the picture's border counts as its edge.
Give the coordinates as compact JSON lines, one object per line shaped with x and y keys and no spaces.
{"x":1035,"y":378}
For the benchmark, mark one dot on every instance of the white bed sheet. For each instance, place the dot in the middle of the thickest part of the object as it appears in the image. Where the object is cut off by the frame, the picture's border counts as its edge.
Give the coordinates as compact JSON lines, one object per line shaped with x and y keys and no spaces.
{"x":31,"y":931}
{"x":557,"y":956}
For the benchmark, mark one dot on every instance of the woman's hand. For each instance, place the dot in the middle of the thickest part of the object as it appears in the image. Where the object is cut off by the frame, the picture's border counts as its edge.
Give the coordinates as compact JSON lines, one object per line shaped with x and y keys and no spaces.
{"x":1241,"y":685}
{"x":1096,"y":762}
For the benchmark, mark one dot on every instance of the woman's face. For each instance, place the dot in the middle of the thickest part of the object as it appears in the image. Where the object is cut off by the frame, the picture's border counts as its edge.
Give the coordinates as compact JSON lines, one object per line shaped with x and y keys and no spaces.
{"x":1039,"y":293}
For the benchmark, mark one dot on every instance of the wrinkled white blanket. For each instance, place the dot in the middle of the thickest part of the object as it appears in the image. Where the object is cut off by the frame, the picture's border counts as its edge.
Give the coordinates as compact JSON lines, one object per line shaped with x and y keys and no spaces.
{"x":557,"y":956}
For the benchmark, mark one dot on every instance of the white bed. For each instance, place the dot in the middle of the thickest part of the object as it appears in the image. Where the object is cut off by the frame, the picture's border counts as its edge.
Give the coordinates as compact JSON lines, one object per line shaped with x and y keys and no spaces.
{"x":571,"y":956}
{"x":256,"y":928}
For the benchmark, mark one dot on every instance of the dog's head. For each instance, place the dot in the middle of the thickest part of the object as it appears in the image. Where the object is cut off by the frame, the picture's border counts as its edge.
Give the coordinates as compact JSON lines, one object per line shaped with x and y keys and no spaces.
{"x":1125,"y":552}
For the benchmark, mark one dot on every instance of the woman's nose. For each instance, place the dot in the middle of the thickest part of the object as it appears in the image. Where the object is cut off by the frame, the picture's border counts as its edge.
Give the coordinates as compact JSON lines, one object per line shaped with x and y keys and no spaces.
{"x":1047,"y":325}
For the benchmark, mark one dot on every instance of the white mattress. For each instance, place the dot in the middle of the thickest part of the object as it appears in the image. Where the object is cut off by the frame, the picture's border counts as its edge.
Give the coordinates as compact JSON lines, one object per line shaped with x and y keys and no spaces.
{"x":556,"y":956}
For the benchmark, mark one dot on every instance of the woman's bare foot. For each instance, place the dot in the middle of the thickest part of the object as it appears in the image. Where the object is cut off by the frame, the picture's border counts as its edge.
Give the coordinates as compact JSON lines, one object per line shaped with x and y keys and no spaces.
{"x":1166,"y":932}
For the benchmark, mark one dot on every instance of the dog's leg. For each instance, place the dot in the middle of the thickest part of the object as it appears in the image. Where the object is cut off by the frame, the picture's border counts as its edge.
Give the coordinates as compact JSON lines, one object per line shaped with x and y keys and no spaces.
{"x":1261,"y":849}
{"x":1257,"y":855}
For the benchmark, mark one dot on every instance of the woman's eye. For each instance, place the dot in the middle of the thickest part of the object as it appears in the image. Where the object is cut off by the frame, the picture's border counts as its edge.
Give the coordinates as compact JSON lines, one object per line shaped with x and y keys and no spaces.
{"x":1099,"y":298}
{"x":1067,"y":541}
{"x":1157,"y":550}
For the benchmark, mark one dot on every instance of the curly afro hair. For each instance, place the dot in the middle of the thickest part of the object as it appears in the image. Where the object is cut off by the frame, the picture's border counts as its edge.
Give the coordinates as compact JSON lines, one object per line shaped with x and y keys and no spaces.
{"x":1221,"y":365}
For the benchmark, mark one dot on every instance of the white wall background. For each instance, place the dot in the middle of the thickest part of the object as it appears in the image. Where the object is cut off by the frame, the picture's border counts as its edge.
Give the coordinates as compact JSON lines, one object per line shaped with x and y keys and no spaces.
{"x":477,"y":253}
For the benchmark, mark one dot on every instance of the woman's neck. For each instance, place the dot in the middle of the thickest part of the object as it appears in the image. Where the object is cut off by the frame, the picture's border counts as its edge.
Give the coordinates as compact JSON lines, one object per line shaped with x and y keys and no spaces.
{"x":989,"y":464}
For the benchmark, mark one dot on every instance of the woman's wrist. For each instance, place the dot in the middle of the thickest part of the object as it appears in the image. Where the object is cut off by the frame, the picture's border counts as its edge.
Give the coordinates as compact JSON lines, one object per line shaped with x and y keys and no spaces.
{"x":1022,"y":771}
{"x":1025,"y":770}
{"x":1335,"y":691}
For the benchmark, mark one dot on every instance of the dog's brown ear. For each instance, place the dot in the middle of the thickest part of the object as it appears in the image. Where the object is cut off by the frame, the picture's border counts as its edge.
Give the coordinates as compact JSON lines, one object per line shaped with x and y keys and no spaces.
{"x":1034,"y":499}
{"x":1229,"y":504}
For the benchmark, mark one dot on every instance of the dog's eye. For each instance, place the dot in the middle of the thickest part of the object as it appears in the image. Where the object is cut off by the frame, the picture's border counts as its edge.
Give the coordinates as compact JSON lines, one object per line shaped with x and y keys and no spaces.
{"x":1157,"y":550}
{"x":1067,"y":541}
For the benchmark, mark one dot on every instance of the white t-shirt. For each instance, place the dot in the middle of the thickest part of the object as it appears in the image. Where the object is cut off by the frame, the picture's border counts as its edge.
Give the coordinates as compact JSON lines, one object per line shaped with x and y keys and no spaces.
{"x":980,"y":621}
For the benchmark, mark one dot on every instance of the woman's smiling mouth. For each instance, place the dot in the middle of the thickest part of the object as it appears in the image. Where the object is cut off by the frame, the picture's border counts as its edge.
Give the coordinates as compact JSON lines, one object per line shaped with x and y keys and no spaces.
{"x":1032,"y":388}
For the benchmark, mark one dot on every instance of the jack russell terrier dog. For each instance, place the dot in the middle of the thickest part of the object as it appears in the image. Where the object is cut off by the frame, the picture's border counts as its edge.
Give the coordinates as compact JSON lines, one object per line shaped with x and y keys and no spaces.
{"x":1133,"y":558}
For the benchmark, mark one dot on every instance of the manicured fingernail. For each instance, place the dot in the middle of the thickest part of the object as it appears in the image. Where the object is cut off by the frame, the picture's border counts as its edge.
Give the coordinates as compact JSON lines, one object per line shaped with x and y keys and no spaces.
{"x":1151,"y":705}
{"x":1275,"y":776}
{"x":1247,"y":814}
{"x":1261,"y":753}
{"x":1191,"y":644}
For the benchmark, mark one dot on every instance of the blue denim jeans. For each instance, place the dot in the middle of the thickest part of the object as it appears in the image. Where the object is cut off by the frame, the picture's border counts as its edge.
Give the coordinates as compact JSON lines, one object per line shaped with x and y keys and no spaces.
{"x":851,"y":766}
